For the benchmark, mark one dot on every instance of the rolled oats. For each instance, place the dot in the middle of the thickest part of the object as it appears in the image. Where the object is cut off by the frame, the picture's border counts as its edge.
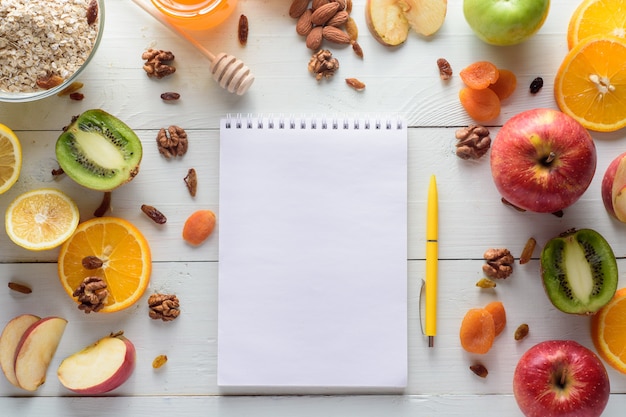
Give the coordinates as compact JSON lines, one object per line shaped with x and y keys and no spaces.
{"x":43,"y":37}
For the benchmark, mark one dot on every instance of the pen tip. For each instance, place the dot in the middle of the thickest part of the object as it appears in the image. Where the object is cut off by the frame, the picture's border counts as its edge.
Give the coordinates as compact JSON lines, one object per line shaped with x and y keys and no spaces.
{"x":431,"y":341}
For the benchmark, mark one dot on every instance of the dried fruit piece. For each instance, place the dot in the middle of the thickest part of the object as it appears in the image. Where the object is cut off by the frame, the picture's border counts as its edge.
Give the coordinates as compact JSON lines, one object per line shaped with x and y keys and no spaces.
{"x":481,"y":105}
{"x":77,"y":96}
{"x":536,"y":85}
{"x":496,"y":308}
{"x":352,"y":29}
{"x":159,"y":361}
{"x":486,"y":283}
{"x":445,"y":70}
{"x":92,"y":262}
{"x":505,"y":85}
{"x":21,"y":288}
{"x":199,"y":227}
{"x":356,"y":84}
{"x":154,"y":214}
{"x":479,"y":75}
{"x":104,"y":206}
{"x":191,"y":181}
{"x":479,"y":369}
{"x":92,"y":12}
{"x":527,"y":252}
{"x":521,"y":331}
{"x":49,"y":81}
{"x":170,"y":96}
{"x":478,"y":331}
{"x":72,"y":88}
{"x":242,"y":30}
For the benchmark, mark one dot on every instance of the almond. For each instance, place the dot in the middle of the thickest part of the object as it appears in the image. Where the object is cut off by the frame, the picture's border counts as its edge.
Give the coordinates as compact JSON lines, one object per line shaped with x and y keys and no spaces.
{"x":336,"y":35}
{"x":322,"y":14}
{"x":314,"y":38}
{"x":298,"y":7}
{"x":342,"y":4}
{"x":304,"y":25}
{"x":318,"y":3}
{"x":338,"y":19}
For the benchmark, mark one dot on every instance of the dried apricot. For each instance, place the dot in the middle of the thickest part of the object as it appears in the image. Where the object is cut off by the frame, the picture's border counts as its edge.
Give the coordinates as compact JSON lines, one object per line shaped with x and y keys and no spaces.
{"x":478,"y":330}
{"x":481,"y":105}
{"x":480,"y":75}
{"x":506,"y":84}
{"x":496,"y":308}
{"x":199,"y":226}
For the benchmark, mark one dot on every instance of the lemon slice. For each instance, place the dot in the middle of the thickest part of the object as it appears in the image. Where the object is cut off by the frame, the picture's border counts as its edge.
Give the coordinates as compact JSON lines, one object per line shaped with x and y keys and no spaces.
{"x":10,"y":158}
{"x":41,"y":219}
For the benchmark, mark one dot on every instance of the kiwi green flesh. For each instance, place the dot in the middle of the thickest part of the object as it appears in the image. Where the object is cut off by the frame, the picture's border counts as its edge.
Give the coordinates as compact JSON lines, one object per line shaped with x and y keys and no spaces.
{"x":99,"y":151}
{"x":579,"y":272}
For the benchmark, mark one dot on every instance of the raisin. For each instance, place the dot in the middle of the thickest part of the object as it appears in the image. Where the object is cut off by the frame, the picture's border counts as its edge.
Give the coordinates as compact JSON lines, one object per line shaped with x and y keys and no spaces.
{"x":536,"y":85}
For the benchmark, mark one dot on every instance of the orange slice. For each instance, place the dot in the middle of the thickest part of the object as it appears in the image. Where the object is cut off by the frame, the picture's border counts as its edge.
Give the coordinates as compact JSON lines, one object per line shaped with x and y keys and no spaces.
{"x":590,"y":84}
{"x":10,"y":158}
{"x":41,"y":219}
{"x":125,"y":255}
{"x":608,"y":331}
{"x":597,"y":17}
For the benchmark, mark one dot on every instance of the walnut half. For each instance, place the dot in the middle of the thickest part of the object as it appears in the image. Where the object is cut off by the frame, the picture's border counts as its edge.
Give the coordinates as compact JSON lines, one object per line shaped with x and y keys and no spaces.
{"x":91,"y":294}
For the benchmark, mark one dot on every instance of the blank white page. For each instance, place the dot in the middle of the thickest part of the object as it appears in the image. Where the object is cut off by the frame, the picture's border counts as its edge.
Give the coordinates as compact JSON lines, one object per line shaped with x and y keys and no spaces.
{"x":312,"y":253}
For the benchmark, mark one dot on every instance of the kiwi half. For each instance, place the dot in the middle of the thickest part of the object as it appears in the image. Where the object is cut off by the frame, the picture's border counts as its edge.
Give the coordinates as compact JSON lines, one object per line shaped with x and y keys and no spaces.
{"x":579,"y":271}
{"x":99,"y":151}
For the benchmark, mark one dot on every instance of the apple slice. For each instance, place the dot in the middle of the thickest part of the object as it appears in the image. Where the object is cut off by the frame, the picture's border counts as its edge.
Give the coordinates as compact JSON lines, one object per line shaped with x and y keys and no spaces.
{"x":100,"y":367}
{"x":35,"y":350}
{"x":425,"y":16}
{"x":9,"y":339}
{"x":387,"y":22}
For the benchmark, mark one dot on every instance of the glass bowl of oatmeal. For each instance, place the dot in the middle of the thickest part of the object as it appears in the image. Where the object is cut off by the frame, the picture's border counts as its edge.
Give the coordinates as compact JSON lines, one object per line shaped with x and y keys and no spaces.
{"x":44,"y":45}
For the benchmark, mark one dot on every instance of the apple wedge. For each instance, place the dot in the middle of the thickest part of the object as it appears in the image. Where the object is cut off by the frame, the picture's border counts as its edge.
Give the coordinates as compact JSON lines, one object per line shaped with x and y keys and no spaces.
{"x":9,"y":340}
{"x":387,"y":22}
{"x":100,"y":367}
{"x":425,"y":16}
{"x":35,"y":350}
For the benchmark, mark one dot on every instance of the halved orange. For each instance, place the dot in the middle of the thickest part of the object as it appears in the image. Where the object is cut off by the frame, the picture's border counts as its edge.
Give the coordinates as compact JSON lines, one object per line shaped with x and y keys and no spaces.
{"x":41,"y":219}
{"x":608,"y":331}
{"x":590,"y":84}
{"x":125,"y":255}
{"x":597,"y":17}
{"x":10,"y":158}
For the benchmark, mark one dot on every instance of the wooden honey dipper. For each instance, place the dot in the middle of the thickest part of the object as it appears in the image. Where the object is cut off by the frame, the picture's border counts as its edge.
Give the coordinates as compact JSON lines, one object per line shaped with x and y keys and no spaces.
{"x":229,"y":72}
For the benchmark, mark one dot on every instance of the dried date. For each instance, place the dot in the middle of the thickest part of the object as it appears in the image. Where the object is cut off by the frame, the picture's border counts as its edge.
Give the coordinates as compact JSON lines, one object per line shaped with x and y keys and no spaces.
{"x":243,"y":29}
{"x":170,"y":96}
{"x":21,"y":288}
{"x":154,"y":214}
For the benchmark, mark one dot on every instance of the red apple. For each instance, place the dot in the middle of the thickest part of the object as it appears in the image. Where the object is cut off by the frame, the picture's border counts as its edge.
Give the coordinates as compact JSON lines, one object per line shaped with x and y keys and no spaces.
{"x":560,"y":378}
{"x":100,"y":367}
{"x":542,"y":160}
{"x":35,"y":350}
{"x":614,"y":188}
{"x":10,"y":339}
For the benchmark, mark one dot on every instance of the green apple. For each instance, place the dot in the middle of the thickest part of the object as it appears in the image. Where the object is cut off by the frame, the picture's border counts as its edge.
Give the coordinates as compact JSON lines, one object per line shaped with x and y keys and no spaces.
{"x":505,"y":22}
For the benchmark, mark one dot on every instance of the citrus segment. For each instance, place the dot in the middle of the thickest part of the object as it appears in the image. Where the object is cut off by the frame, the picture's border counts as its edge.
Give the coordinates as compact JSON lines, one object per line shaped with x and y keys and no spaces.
{"x":125,"y":255}
{"x":41,"y":219}
{"x":608,"y":331}
{"x":10,"y":158}
{"x":597,"y":17}
{"x":590,"y":85}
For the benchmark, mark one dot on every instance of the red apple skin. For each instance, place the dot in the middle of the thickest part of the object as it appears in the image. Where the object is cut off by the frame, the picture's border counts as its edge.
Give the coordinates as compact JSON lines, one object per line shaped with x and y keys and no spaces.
{"x":118,"y":378}
{"x":585,"y":389}
{"x":520,"y":167}
{"x":613,"y":182}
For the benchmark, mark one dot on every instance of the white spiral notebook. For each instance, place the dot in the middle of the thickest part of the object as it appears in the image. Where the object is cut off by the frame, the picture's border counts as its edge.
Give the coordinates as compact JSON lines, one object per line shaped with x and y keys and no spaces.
{"x":312,"y":253}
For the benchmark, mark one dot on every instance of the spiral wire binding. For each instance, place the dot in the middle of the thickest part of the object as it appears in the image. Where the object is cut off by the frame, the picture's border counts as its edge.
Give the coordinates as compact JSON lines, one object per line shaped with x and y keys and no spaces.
{"x":313,"y":122}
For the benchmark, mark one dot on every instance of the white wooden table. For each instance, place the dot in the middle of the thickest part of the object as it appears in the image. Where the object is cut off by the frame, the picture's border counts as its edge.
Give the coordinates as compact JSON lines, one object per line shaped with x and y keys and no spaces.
{"x":401,"y":81}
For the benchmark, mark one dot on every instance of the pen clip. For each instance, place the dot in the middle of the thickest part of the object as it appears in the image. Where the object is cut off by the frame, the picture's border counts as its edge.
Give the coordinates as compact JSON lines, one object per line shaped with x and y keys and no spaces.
{"x":421,"y":306}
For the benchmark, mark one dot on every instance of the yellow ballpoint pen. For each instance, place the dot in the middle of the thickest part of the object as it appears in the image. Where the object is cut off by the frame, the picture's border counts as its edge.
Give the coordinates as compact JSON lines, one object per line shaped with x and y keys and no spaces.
{"x":432,"y":256}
